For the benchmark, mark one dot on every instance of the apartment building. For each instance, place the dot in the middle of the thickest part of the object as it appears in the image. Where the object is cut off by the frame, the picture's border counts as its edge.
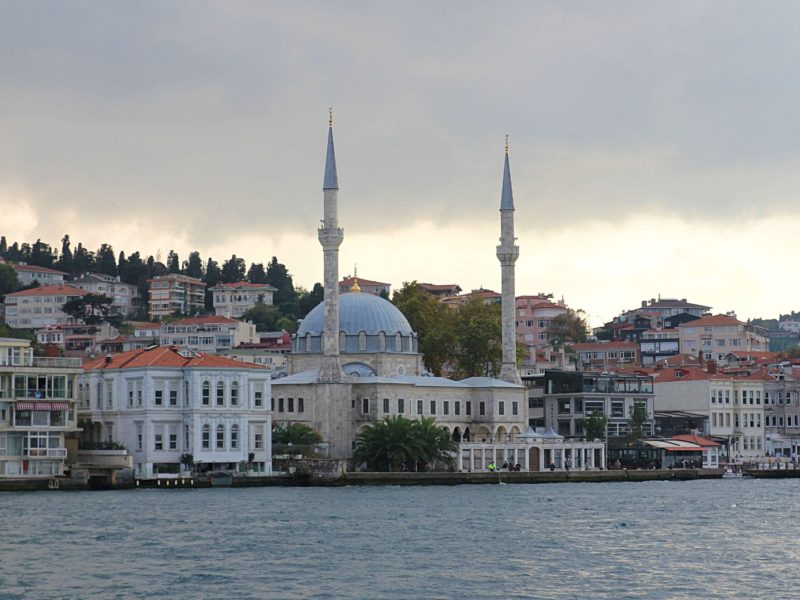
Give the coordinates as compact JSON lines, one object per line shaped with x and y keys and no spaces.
{"x":125,"y":298}
{"x":37,"y":411}
{"x":164,"y":402}
{"x":175,"y":294}
{"x":235,"y":299}
{"x":366,"y":286}
{"x":606,"y":355}
{"x":29,"y":274}
{"x":40,"y":306}
{"x":208,"y":334}
{"x":714,"y":336}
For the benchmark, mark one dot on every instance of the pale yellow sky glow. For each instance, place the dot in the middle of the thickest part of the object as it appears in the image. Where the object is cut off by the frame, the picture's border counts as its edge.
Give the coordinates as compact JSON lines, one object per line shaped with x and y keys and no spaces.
{"x":653,"y":148}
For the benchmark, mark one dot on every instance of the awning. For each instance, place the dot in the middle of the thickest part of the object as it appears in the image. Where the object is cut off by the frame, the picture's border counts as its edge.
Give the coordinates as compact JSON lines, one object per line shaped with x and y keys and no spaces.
{"x":674,"y":445}
{"x":42,"y":406}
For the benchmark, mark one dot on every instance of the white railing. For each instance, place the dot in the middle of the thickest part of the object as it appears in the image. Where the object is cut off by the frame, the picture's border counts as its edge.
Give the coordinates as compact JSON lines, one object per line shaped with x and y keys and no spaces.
{"x":46,"y":452}
{"x":42,"y":361}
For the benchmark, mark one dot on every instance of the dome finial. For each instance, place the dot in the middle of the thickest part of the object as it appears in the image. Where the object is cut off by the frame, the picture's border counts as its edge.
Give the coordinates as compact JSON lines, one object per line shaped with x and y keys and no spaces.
{"x":355,"y":287}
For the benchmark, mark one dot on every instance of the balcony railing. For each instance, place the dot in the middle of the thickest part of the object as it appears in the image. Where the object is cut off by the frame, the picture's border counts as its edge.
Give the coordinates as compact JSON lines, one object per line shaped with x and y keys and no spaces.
{"x":46,"y":452}
{"x":43,"y":361}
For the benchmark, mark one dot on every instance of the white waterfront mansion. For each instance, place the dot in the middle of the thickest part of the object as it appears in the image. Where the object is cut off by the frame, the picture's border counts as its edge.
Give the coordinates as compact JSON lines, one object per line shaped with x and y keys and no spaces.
{"x":164,"y":402}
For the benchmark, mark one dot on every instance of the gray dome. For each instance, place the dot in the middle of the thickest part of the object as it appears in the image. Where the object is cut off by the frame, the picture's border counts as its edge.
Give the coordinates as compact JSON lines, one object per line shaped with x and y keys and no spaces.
{"x":359,"y":311}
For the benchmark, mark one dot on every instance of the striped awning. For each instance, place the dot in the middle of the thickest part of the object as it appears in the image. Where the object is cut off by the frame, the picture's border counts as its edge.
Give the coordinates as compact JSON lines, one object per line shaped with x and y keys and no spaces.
{"x":42,"y":406}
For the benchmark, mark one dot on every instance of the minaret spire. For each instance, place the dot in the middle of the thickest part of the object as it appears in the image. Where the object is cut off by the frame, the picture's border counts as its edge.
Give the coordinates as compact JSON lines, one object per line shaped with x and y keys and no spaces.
{"x":507,"y":254}
{"x":330,"y":237}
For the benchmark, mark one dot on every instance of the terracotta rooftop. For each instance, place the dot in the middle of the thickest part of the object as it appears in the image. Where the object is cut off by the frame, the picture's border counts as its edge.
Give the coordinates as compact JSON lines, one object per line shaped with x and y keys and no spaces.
{"x":711,"y":321}
{"x":51,"y":290}
{"x":361,"y":281}
{"x":164,"y":357}
{"x":36,"y":269}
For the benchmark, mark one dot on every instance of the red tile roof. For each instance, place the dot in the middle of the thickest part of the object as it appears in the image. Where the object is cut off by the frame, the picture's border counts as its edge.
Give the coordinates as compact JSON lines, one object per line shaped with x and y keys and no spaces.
{"x":361,"y":281}
{"x":164,"y":357}
{"x":694,"y":439}
{"x":244,"y":285}
{"x":35,"y":269}
{"x":711,"y":321}
{"x":51,"y":290}
{"x":204,"y":320}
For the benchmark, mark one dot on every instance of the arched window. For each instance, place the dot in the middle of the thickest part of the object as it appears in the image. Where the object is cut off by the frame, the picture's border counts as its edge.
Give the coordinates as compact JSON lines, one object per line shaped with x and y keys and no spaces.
{"x":220,"y":437}
{"x":235,"y":393}
{"x":206,"y":437}
{"x":308,"y":342}
{"x":234,"y":437}
{"x":382,"y":342}
{"x":206,"y":393}
{"x":342,"y":341}
{"x":398,"y":340}
{"x":220,"y":394}
{"x":362,"y":342}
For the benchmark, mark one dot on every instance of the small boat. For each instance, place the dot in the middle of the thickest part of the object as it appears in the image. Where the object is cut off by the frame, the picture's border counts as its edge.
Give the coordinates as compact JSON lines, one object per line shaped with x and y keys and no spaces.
{"x":731,"y":474}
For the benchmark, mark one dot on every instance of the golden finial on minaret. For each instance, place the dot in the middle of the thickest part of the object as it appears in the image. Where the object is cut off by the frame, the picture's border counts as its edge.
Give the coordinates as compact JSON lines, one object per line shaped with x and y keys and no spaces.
{"x":330,"y":116}
{"x":506,"y":143}
{"x":355,"y":287}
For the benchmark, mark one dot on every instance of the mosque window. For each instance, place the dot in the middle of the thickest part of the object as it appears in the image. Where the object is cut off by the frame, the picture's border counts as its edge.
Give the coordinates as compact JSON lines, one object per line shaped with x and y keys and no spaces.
{"x":362,"y":342}
{"x":280,"y":404}
{"x":308,"y":342}
{"x":300,"y":405}
{"x":515,"y":408}
{"x":382,"y":342}
{"x":468,"y":407}
{"x":419,"y":407}
{"x":385,"y":405}
{"x":433,"y":407}
{"x":272,"y":404}
{"x":290,"y":404}
{"x":481,"y":408}
{"x":501,"y":408}
{"x":456,"y":407}
{"x":401,"y":406}
{"x":398,"y":341}
{"x":446,"y":407}
{"x":365,"y":406}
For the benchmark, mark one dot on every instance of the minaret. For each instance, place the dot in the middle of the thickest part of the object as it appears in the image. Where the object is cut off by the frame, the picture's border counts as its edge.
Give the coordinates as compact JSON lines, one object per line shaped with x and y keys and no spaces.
{"x":331,"y":236}
{"x":507,"y":253}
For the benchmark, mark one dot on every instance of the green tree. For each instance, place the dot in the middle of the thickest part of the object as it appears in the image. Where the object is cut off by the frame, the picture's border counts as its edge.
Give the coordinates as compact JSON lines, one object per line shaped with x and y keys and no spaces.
{"x":264,"y":316}
{"x":435,"y":443}
{"x":308,"y":300}
{"x":256,"y":273}
{"x":92,"y":309}
{"x":212,"y":277}
{"x":233,"y":270}
{"x":388,"y":445}
{"x":478,"y":338}
{"x":9,"y":282}
{"x":173,"y":262}
{"x":193,"y":266}
{"x":568,"y":328}
{"x":279,"y":278}
{"x":636,"y":420}
{"x":82,"y":260}
{"x":433,"y":322}
{"x":42,"y":255}
{"x":595,"y":426}
{"x":295,"y":434}
{"x":106,"y":260}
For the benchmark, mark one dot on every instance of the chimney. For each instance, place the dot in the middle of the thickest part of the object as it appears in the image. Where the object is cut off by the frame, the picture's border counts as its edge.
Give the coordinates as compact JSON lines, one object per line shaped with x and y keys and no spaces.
{"x":711,"y":367}
{"x":644,"y":303}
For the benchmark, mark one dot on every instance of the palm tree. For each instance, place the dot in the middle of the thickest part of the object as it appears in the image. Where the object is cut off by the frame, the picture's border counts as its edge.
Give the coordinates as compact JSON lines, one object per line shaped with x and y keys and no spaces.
{"x":388,"y":444}
{"x":396,"y":441}
{"x":295,"y":434}
{"x":435,"y":442}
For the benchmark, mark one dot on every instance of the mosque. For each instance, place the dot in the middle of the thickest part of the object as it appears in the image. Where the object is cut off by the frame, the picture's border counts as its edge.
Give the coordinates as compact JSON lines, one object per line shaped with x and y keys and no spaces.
{"x":355,"y":360}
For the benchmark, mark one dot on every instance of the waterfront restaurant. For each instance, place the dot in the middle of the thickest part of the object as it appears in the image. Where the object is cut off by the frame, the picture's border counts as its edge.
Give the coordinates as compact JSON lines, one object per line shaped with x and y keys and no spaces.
{"x":533,"y":450}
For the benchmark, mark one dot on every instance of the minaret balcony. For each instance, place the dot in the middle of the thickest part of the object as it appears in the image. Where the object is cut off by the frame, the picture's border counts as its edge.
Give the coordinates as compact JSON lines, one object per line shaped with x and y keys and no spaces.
{"x":330,"y":237}
{"x":507,"y":254}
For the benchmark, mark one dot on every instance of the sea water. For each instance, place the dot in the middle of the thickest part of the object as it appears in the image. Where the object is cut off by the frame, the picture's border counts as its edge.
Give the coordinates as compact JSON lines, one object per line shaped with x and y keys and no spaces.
{"x":697,"y":539}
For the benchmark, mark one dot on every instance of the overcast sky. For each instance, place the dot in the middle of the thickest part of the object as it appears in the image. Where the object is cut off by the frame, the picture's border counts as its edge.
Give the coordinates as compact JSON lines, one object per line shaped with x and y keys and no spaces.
{"x":654,"y":146}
